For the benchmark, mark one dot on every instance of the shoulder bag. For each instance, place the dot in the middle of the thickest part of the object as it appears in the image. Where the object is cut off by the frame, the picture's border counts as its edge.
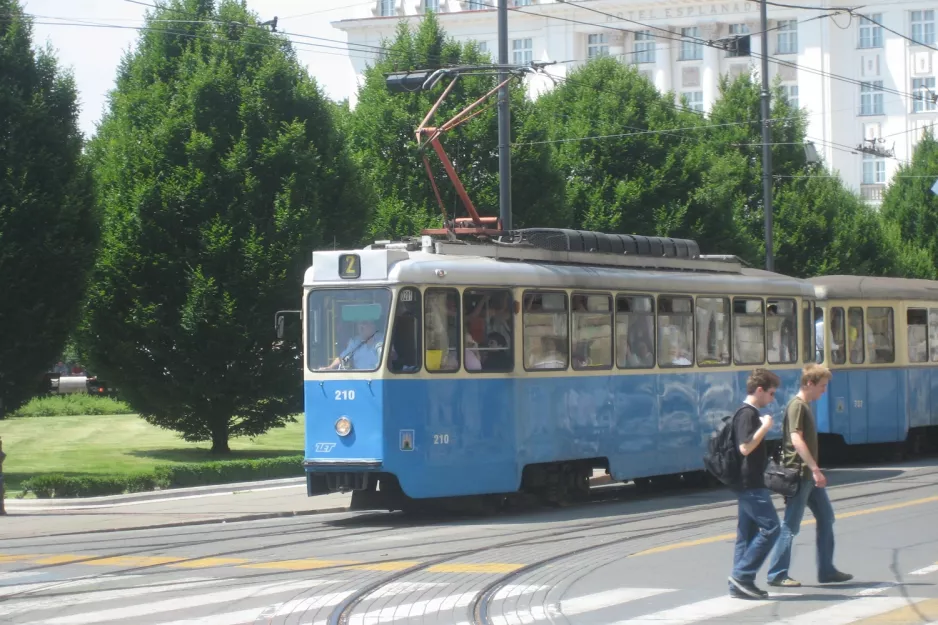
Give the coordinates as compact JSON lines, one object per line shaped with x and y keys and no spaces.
{"x":778,"y":478}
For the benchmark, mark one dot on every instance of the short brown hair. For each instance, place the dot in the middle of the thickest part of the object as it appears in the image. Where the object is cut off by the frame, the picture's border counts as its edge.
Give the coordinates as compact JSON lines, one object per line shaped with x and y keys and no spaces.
{"x":762,"y":378}
{"x":814,"y":374}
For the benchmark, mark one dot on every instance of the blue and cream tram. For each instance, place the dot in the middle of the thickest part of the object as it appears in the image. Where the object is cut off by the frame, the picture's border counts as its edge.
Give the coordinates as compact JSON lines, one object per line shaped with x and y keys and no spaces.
{"x":880,"y":340}
{"x":443,"y":369}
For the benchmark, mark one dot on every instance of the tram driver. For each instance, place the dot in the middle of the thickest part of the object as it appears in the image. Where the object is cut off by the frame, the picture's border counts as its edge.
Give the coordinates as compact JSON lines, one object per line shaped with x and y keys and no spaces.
{"x":363,"y":351}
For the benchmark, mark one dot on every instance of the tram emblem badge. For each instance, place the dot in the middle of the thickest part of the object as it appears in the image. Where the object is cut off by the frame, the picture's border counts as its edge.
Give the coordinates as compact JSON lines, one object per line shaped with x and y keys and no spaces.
{"x":324,"y":448}
{"x":407,"y":440}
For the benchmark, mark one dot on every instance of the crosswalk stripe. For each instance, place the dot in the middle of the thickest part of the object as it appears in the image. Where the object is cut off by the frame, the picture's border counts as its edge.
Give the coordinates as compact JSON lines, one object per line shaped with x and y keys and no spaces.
{"x":926,"y":570}
{"x":55,"y":584}
{"x":849,"y":611}
{"x":698,"y":611}
{"x":180,"y":603}
{"x":577,"y":605}
{"x":432,"y":606}
{"x":29,"y":603}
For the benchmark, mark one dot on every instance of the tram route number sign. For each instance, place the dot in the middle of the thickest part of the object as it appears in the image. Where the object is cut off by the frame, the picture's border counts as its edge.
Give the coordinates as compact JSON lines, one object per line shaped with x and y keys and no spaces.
{"x":350,"y":266}
{"x":407,"y":440}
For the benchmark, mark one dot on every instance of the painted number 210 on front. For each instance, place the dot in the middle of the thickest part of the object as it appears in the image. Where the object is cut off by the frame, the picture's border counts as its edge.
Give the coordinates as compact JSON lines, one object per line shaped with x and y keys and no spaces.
{"x":441,"y":439}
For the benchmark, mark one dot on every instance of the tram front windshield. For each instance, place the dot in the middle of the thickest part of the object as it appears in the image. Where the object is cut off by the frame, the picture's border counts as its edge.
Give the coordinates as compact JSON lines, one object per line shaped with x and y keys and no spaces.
{"x":347,"y":328}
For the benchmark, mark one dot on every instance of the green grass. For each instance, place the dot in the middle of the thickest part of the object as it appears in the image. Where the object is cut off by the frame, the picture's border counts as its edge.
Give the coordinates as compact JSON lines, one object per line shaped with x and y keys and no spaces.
{"x":118,"y":444}
{"x":73,"y":404}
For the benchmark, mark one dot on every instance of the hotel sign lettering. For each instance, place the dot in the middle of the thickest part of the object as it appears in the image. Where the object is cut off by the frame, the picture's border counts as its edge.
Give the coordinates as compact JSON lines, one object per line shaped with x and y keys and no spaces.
{"x":686,"y":10}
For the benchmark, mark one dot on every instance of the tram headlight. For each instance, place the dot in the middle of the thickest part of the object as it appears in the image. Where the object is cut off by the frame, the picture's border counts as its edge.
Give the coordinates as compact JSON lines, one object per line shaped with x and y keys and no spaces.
{"x":343,"y":427}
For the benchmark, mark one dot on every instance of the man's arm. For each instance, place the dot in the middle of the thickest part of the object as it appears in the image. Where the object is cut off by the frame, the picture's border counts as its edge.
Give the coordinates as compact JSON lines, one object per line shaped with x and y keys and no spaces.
{"x":750,"y":446}
{"x":797,"y":441}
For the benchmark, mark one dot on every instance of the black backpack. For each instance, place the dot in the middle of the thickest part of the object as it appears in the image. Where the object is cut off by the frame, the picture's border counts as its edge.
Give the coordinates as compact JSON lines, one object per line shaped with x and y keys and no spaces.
{"x":723,"y":459}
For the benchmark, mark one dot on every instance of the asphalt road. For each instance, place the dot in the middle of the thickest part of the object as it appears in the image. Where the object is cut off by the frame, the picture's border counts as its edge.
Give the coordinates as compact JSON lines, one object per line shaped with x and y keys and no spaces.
{"x":628,"y":557}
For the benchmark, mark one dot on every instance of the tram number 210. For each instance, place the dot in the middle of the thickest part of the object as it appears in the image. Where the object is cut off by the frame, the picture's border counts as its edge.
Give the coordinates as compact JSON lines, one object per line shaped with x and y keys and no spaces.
{"x":441,"y":439}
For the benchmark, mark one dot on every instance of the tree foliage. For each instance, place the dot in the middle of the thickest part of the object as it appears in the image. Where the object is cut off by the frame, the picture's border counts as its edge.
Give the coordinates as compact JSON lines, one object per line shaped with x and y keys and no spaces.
{"x":48,"y":226}
{"x":381,"y":130}
{"x":219,"y":169}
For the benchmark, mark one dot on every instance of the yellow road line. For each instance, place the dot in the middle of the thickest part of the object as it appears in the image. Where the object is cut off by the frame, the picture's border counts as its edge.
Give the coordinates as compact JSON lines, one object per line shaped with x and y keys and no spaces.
{"x":846,"y":515}
{"x":392,"y":565}
{"x":921,"y":612}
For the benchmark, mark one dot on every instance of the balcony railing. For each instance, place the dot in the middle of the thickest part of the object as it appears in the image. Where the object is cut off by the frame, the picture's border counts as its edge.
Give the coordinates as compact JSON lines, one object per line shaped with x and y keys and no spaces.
{"x":872,"y":192}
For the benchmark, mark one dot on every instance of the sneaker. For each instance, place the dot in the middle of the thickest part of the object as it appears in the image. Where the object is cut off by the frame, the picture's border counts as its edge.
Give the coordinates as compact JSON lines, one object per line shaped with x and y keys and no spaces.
{"x":785,"y":582}
{"x":835,"y":578}
{"x":749,"y":589}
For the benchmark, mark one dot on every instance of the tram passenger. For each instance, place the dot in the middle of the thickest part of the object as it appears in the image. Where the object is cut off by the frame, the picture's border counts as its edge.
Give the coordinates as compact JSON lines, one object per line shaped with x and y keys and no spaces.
{"x":551,"y":356}
{"x":819,"y":333}
{"x":471,"y":354}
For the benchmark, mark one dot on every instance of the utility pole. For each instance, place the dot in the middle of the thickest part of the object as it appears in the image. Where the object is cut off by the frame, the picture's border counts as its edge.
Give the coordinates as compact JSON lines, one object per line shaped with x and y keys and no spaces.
{"x":504,"y":126}
{"x":766,"y":141}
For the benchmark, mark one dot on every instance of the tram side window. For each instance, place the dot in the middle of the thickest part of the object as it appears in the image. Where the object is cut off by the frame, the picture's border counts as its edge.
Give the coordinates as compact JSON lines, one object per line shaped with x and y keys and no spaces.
{"x":748,"y":331}
{"x":933,"y":334}
{"x":441,"y":327}
{"x":807,"y":331}
{"x":489,"y":324}
{"x":546,"y":338}
{"x":881,"y":341}
{"x":917,"y":321}
{"x":405,"y":339}
{"x":838,"y":342}
{"x":675,"y":331}
{"x":635,"y":332}
{"x":855,"y":334}
{"x":592,"y":331}
{"x":713,"y":331}
{"x":781,"y":327}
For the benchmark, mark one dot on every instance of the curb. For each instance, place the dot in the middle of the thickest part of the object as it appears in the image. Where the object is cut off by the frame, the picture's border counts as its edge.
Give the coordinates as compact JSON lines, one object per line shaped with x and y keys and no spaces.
{"x":155,"y":495}
{"x":212,"y":521}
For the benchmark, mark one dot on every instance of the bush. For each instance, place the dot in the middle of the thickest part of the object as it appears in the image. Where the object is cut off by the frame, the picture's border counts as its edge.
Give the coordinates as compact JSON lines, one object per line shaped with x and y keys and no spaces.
{"x":71,"y":405}
{"x":57,"y":486}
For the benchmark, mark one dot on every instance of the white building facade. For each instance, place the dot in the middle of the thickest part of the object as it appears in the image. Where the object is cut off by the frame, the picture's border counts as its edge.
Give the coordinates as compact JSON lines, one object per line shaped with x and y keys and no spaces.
{"x":859,"y":83}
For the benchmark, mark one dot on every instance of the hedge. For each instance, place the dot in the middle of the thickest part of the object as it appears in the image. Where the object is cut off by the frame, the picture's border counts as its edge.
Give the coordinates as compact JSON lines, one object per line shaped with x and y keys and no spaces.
{"x":56,"y":485}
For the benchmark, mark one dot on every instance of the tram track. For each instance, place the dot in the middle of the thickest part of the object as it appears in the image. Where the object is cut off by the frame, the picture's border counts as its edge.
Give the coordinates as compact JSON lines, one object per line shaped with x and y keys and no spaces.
{"x":479,"y":607}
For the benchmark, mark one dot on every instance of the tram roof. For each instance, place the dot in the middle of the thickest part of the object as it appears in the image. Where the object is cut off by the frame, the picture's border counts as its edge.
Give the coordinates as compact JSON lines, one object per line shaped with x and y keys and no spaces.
{"x":868,"y":287}
{"x":424,"y":268}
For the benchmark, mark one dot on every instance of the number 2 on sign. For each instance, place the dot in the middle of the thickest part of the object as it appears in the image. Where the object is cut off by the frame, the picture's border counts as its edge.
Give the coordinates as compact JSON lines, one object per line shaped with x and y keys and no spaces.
{"x":441,"y":439}
{"x":344,"y":395}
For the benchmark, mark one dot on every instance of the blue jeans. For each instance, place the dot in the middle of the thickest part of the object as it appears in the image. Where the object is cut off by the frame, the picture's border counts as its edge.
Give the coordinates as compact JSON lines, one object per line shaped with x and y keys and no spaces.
{"x":816,"y":499}
{"x":756,"y":531}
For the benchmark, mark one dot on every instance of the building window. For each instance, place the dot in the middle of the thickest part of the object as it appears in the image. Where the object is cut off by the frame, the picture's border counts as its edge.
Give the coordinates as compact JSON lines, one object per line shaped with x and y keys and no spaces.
{"x":483,"y":47}
{"x":739,"y":29}
{"x":522,"y":51}
{"x":871,"y":98}
{"x":871,"y":33}
{"x":791,"y":95}
{"x":788,"y":37}
{"x":644,"y":47}
{"x":691,"y":50}
{"x":521,"y":3}
{"x":386,"y":7}
{"x":923,"y":27}
{"x":923,"y":90}
{"x":431,"y":5}
{"x":874,"y":170}
{"x":597,"y":45}
{"x":694,"y":100}
{"x":476,"y":5}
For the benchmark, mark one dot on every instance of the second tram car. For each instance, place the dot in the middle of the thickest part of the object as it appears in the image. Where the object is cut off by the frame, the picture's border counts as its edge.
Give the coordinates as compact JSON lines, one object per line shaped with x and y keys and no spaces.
{"x":443,"y":369}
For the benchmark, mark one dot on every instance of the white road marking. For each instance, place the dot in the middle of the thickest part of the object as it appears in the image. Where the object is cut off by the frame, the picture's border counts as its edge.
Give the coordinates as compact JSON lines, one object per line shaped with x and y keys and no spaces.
{"x":846,"y":612}
{"x":926,"y":570}
{"x":577,"y":605}
{"x":56,"y":584}
{"x":699,"y":611}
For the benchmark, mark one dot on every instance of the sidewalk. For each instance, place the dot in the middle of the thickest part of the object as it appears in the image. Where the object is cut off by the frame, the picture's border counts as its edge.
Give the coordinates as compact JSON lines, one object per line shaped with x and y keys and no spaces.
{"x":179,"y":506}
{"x":184,"y":506}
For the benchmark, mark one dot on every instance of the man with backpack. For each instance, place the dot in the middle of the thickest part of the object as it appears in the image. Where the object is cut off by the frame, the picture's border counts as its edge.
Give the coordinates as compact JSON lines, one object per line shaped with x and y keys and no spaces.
{"x":757,"y":527}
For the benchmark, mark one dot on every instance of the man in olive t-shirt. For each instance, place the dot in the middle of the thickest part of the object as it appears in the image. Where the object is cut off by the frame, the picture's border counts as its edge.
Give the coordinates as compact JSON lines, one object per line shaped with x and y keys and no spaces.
{"x":800,"y":448}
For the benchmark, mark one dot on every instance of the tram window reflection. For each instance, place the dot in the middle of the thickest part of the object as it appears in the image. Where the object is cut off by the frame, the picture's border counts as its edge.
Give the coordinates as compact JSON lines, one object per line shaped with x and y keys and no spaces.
{"x":933,"y":334}
{"x":855,"y":335}
{"x":488,"y":330}
{"x":546,"y":339}
{"x":675,"y":331}
{"x":405,"y":337}
{"x":917,"y":321}
{"x":635,"y":332}
{"x":748,"y":331}
{"x":592,"y":331}
{"x":441,"y":327}
{"x":347,"y":328}
{"x":713,"y":331}
{"x":838,"y":333}
{"x":808,"y":329}
{"x":781,"y":328}
{"x":881,"y":343}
